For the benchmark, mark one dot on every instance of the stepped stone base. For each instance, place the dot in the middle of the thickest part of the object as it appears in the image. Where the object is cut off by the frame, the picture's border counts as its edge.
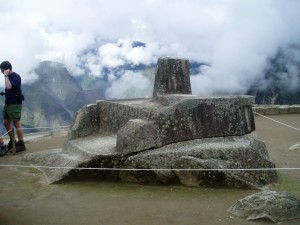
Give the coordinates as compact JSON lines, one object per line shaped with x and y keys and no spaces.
{"x":237,"y":152}
{"x":85,"y":152}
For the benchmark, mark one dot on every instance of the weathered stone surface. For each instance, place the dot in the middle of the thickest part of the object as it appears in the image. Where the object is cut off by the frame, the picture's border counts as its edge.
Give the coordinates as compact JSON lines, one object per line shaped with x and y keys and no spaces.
{"x":272,"y":205}
{"x":137,"y":135}
{"x":283,"y":109}
{"x":294,"y":108}
{"x":89,"y":152}
{"x":86,"y":122}
{"x":53,"y":158}
{"x":115,"y":114}
{"x":188,"y":117}
{"x":176,"y":118}
{"x":172,"y":77}
{"x":211,"y":153}
{"x":243,"y":152}
{"x":276,"y":109}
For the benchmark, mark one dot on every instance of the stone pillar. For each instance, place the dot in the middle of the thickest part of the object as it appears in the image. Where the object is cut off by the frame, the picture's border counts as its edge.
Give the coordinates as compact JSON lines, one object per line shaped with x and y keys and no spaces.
{"x":172,"y":77}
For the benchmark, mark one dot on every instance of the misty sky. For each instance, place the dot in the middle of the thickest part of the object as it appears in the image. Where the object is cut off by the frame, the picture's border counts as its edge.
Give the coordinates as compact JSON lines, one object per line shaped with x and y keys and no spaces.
{"x":234,"y":37}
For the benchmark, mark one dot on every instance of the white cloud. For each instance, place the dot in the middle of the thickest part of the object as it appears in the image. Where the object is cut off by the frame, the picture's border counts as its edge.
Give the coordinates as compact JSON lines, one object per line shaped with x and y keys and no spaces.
{"x":65,"y":47}
{"x":122,"y":52}
{"x":233,"y":36}
{"x":111,"y":55}
{"x":129,"y":85}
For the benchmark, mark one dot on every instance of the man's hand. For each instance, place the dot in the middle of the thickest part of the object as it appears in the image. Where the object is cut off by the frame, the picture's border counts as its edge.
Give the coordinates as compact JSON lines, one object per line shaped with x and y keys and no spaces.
{"x":6,"y":72}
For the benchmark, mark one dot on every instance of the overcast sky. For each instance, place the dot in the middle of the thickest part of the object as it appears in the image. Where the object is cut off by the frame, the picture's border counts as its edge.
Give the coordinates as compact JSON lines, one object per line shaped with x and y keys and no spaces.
{"x":234,"y":36}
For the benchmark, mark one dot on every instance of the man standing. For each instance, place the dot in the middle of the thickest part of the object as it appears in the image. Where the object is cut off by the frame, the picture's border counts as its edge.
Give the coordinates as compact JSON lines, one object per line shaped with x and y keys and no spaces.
{"x":13,"y":104}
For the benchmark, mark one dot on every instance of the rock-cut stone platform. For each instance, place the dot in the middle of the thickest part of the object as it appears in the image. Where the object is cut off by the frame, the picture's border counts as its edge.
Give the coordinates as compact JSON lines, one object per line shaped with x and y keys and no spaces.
{"x":168,"y":132}
{"x":174,"y":137}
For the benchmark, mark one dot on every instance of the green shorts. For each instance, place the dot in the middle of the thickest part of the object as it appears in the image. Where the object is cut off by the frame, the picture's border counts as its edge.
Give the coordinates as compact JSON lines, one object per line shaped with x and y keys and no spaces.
{"x":12,"y":112}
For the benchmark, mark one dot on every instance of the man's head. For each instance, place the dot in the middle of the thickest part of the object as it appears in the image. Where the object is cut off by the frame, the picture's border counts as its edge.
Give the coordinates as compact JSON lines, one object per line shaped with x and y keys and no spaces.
{"x":5,"y":65}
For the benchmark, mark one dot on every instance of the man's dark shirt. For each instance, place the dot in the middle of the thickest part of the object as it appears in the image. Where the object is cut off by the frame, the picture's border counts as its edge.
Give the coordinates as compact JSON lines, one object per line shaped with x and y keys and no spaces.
{"x":12,"y":96}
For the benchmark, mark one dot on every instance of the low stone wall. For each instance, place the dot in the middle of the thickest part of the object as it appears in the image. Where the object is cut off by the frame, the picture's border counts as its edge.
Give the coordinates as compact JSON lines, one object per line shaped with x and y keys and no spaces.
{"x":275,"y":109}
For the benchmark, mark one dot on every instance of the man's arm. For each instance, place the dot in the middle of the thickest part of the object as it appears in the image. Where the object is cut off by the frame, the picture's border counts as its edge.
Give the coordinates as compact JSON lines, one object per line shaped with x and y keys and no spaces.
{"x":7,"y":82}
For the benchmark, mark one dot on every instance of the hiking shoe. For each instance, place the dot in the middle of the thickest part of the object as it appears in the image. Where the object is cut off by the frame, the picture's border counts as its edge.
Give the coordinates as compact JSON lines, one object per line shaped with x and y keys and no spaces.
{"x":3,"y":149}
{"x":20,"y":146}
{"x":9,"y":145}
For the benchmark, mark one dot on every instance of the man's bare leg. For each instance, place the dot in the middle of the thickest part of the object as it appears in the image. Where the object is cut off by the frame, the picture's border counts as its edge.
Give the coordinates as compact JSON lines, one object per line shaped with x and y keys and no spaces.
{"x":19,"y":129}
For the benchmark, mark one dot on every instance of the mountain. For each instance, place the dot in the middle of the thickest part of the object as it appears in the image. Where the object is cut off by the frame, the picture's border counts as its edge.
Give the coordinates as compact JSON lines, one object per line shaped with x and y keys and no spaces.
{"x":281,"y":81}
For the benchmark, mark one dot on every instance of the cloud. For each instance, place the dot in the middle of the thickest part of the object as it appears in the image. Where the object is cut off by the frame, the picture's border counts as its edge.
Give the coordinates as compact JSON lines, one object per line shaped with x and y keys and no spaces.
{"x":123,"y":52}
{"x":129,"y":85}
{"x":234,"y":37}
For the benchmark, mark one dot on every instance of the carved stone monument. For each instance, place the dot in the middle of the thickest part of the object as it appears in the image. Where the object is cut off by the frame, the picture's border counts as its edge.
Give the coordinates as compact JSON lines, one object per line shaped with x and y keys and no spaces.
{"x":162,"y":137}
{"x":172,"y":77}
